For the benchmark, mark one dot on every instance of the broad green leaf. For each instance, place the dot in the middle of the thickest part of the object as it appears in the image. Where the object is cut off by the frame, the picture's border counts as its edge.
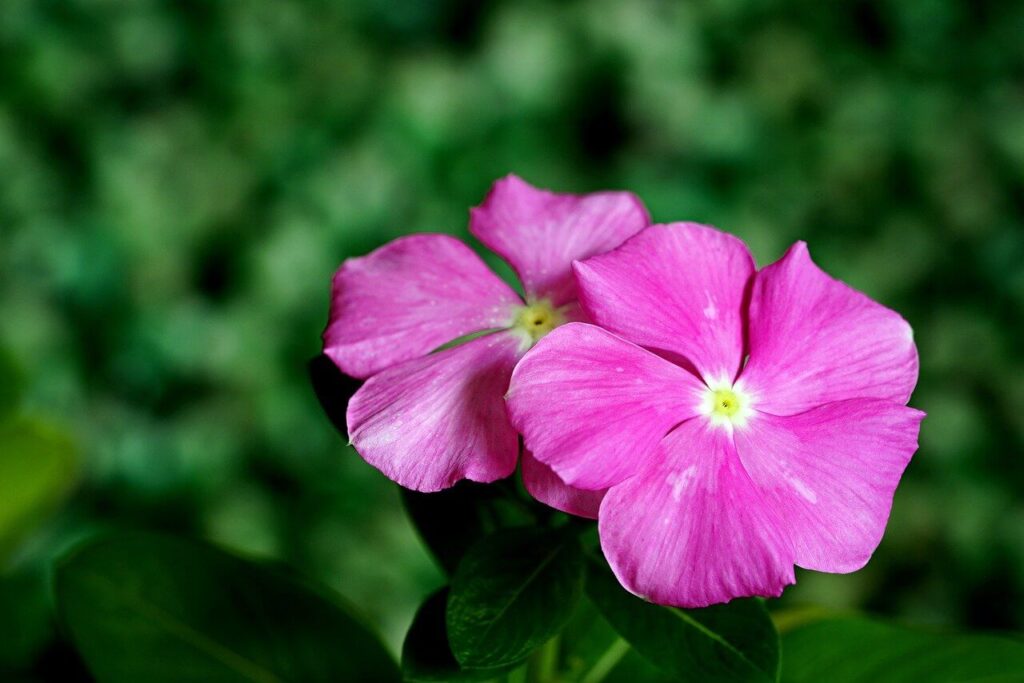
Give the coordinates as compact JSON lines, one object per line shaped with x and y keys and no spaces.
{"x":591,"y":650}
{"x":142,"y":607}
{"x":450,"y":522}
{"x":37,"y":469}
{"x":426,"y":654}
{"x":859,"y":650}
{"x":513,"y":591}
{"x":735,"y":642}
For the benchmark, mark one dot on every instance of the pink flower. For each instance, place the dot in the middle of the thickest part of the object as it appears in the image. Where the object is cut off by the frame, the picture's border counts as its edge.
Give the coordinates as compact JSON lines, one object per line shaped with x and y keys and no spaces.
{"x":742,"y":421}
{"x":428,"y":416}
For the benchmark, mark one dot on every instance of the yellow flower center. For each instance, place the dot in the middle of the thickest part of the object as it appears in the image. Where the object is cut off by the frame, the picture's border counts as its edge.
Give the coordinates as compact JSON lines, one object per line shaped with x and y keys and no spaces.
{"x":726,"y":405}
{"x":725,"y":402}
{"x":536,"y":319}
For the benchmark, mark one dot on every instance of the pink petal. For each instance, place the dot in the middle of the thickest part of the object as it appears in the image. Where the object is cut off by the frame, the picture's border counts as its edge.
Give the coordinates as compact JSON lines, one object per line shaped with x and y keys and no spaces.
{"x":830,"y":474}
{"x":814,"y":340}
{"x":409,"y":297}
{"x":677,"y":288}
{"x":432,"y":421}
{"x":541,"y":233}
{"x":692,"y":530}
{"x":594,"y":407}
{"x":544,"y":485}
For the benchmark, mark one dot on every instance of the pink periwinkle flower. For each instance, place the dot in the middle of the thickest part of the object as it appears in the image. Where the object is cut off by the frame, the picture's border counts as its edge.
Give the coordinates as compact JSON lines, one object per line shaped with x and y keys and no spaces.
{"x":742,"y":421}
{"x":437,"y":334}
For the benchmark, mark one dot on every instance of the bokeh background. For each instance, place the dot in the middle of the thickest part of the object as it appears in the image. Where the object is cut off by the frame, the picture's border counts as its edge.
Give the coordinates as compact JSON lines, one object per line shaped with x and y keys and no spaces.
{"x":178,"y":181}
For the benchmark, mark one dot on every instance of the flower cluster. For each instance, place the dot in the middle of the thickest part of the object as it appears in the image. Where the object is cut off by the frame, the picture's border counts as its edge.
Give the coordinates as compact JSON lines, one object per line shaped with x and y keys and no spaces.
{"x":722,"y":423}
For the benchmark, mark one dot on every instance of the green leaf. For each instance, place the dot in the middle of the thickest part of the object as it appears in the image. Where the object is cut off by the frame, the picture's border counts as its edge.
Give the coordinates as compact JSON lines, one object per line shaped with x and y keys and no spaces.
{"x":591,"y":650}
{"x":735,"y":642}
{"x":450,"y":522}
{"x":512,"y":592}
{"x":149,"y":608}
{"x":426,"y":654}
{"x":858,"y":650}
{"x":37,"y":470}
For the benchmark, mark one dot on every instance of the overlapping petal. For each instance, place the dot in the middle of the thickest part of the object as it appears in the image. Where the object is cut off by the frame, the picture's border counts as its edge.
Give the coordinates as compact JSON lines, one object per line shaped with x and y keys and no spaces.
{"x":432,"y":421}
{"x":814,"y":340}
{"x":543,"y":484}
{"x":541,"y":233}
{"x":830,"y":473}
{"x":678,"y":288}
{"x":409,"y":297}
{"x":692,"y":530}
{"x":594,"y":407}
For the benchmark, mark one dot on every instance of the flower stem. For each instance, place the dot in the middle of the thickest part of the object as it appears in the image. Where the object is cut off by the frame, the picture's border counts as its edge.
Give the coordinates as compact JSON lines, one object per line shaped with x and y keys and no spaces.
{"x":544,"y":663}
{"x":604,"y":665}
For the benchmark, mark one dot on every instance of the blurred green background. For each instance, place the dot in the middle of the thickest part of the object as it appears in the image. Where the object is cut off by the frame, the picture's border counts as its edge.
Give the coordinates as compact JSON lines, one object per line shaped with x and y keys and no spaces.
{"x":178,"y":181}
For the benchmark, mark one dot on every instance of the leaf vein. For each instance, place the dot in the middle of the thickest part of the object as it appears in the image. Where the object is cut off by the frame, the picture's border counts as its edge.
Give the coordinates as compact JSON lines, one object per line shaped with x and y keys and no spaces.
{"x":714,"y":636}
{"x":519,"y":590}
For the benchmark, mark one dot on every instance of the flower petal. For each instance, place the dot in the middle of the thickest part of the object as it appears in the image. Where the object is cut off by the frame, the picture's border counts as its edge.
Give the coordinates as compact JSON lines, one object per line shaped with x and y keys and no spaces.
{"x":409,"y":297}
{"x":692,"y":530}
{"x":830,"y":474}
{"x":678,"y":288}
{"x":541,"y":233}
{"x":594,"y":407}
{"x":432,"y":421}
{"x":544,"y":485}
{"x":814,"y":340}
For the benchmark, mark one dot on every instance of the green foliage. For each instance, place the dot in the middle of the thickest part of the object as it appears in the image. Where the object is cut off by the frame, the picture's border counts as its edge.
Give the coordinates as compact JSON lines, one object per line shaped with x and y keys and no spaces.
{"x":858,"y":650}
{"x":152,"y":608}
{"x":427,"y":653}
{"x":511,"y":593}
{"x":451,"y":522}
{"x":37,"y":469}
{"x":592,"y":650}
{"x":10,"y":382}
{"x":24,"y":598}
{"x":732,"y":643}
{"x":586,"y":650}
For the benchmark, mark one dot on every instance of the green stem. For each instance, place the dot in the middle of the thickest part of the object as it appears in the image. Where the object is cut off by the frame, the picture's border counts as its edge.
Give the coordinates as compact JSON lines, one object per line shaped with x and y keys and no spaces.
{"x":604,"y":665}
{"x":544,"y":663}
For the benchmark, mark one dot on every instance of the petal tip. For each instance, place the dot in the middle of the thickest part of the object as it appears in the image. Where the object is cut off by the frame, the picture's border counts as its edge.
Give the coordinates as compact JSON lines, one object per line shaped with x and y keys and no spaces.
{"x":508,"y":183}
